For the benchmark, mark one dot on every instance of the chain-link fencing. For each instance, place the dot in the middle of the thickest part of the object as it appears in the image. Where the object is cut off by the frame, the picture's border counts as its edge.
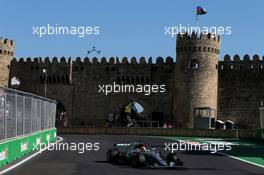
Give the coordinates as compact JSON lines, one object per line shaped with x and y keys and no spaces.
{"x":24,"y":113}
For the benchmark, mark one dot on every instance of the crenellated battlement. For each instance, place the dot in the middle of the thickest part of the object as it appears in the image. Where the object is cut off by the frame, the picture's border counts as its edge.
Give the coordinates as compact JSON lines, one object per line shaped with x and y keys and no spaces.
{"x":245,"y":58}
{"x":94,"y":60}
{"x":187,"y":43}
{"x":198,"y":36}
{"x":39,"y":60}
{"x":7,"y":47}
{"x":246,"y":63}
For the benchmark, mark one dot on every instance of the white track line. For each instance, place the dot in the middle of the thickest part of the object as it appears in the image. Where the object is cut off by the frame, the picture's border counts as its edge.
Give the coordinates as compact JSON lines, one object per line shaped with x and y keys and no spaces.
{"x":28,"y":158}
{"x":252,"y":163}
{"x":262,"y":166}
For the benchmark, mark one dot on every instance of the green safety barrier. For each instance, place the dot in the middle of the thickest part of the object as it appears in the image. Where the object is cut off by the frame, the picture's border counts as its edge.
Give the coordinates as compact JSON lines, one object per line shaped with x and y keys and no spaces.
{"x":14,"y":148}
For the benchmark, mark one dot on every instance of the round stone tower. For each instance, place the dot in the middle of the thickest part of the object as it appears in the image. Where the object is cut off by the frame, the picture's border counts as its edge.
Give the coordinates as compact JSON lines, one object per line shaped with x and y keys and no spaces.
{"x":6,"y":55}
{"x":196,"y":75}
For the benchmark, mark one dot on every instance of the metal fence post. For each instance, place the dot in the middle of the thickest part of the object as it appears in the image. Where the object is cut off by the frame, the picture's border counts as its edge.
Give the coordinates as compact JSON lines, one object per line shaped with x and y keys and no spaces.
{"x":15,"y":114}
{"x":23,"y":116}
{"x":5,"y":116}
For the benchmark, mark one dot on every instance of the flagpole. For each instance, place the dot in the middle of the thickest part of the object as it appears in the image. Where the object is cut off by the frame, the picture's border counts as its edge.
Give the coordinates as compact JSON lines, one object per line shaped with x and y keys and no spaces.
{"x":199,"y":11}
{"x":196,"y":20}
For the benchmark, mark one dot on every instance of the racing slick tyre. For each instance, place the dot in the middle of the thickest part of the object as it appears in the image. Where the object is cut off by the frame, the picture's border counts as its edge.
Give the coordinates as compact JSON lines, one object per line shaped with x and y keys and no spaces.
{"x":172,"y":158}
{"x":111,"y":155}
{"x":139,"y":160}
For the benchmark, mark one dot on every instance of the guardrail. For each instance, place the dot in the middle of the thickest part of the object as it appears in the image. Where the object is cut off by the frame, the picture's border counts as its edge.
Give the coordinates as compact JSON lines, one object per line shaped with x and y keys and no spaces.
{"x":15,"y":148}
{"x":23,"y":113}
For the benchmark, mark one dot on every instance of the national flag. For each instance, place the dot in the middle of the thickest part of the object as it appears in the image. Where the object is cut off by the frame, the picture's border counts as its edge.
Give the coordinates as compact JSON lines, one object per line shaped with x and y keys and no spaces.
{"x":200,"y":11}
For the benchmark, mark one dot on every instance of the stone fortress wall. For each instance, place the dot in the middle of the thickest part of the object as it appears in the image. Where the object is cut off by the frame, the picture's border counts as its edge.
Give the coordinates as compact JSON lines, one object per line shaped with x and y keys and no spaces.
{"x":241,"y":89}
{"x":197,"y":79}
{"x":75,"y":84}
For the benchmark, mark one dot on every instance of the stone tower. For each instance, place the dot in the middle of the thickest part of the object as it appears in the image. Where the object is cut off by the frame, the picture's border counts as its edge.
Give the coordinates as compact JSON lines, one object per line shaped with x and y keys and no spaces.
{"x":196,"y":75}
{"x":6,"y":55}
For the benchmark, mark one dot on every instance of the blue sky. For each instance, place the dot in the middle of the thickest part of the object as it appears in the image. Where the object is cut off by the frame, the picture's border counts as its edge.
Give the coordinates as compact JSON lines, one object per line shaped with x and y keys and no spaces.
{"x":128,"y":27}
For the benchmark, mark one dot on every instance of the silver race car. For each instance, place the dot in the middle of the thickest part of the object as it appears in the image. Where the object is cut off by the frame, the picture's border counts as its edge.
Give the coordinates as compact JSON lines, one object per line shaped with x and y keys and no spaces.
{"x":138,"y":155}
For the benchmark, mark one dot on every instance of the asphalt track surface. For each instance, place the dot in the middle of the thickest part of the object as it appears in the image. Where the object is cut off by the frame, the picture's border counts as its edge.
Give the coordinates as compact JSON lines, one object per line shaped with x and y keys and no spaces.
{"x":94,"y":162}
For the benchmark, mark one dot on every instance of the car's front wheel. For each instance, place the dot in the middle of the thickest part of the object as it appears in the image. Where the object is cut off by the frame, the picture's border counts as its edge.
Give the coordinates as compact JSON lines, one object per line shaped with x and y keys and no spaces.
{"x":173,"y":160}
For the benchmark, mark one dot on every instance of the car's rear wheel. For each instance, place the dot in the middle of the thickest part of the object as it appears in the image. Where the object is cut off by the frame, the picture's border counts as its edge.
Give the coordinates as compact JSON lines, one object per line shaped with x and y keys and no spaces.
{"x":111,"y":155}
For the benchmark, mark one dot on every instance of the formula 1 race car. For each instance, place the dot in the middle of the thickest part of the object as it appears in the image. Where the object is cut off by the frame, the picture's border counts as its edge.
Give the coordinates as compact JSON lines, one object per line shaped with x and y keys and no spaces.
{"x":138,"y":155}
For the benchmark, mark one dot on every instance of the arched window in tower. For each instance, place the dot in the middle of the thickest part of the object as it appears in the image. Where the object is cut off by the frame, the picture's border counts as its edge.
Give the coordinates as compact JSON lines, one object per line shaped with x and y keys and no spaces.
{"x":194,"y":64}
